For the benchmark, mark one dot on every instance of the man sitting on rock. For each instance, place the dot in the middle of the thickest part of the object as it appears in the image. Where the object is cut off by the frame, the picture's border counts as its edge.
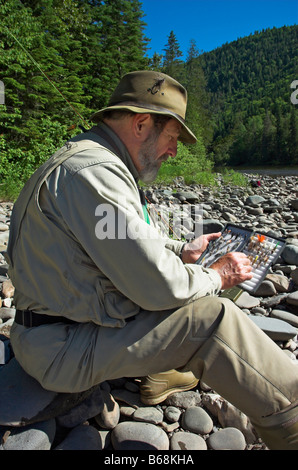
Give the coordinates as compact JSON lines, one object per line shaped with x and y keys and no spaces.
{"x":100,"y":294}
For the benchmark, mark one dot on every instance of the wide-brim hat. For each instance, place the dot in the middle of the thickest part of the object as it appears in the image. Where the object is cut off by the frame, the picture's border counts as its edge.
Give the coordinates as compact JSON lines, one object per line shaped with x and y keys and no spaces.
{"x":151,"y":92}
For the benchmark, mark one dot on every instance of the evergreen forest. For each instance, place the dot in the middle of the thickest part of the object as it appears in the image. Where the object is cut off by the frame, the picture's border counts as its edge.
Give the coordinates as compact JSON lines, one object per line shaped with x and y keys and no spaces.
{"x":249,"y":84}
{"x":61,"y":59}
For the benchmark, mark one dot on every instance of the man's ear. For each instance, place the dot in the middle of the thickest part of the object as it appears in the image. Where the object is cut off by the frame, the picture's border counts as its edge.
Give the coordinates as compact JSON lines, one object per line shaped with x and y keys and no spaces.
{"x":141,"y":125}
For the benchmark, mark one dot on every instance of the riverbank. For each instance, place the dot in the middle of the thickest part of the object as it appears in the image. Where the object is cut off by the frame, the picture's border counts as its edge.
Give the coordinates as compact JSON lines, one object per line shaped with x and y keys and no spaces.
{"x":273,"y":171}
{"x":194,"y":420}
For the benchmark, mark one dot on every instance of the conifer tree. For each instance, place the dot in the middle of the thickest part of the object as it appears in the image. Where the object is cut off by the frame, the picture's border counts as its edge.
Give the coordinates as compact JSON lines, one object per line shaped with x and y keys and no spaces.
{"x":293,"y":136}
{"x":59,"y":61}
{"x":198,"y":99}
{"x":155,"y":63}
{"x":171,"y":58}
{"x":114,"y":44}
{"x":267,"y":139}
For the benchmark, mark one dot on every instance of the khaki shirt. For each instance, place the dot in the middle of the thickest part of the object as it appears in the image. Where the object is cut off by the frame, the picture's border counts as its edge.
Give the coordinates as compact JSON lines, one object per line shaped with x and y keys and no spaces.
{"x":61,"y":262}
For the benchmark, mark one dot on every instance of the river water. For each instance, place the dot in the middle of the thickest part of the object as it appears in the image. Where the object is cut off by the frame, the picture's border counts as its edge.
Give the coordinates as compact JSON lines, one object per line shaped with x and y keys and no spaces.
{"x":270,"y":170}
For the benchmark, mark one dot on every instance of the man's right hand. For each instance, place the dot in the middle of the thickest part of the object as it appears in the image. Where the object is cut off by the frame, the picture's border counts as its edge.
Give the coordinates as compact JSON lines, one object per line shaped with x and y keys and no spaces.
{"x":233,"y":268}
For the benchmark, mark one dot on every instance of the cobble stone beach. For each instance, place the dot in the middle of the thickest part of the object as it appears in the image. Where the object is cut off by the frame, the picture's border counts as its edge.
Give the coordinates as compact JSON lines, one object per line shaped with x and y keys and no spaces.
{"x":112,"y":416}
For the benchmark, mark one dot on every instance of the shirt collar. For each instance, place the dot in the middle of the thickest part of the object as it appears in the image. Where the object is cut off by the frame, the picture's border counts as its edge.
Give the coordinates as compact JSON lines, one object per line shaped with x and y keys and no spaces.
{"x":109,"y":139}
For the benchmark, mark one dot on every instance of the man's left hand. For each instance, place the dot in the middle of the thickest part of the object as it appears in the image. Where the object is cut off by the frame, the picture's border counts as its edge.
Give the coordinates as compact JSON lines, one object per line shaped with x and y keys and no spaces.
{"x":193,"y":250}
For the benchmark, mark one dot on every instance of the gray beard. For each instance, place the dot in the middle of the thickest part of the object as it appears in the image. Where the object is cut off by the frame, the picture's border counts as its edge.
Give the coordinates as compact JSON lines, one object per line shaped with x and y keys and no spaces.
{"x":150,"y":166}
{"x":149,"y":172}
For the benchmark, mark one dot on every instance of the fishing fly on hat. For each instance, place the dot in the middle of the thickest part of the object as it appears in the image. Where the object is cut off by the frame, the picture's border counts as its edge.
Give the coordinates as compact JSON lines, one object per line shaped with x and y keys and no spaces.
{"x":151,"y":92}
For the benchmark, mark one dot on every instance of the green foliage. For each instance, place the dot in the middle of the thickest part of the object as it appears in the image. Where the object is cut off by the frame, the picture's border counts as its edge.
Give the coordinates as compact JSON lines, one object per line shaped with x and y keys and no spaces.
{"x":61,"y":59}
{"x":18,"y":164}
{"x":59,"y":62}
{"x":190,"y":163}
{"x":251,"y":115}
{"x":197,"y":169}
{"x":234,"y":178}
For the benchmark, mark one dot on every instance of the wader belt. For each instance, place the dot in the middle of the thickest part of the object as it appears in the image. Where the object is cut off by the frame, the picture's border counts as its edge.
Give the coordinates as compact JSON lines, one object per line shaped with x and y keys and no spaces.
{"x":29,"y":319}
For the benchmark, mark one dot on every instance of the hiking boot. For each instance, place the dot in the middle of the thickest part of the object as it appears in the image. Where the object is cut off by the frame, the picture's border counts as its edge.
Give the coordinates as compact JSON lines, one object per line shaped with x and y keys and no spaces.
{"x":280,"y":430}
{"x":156,"y":388}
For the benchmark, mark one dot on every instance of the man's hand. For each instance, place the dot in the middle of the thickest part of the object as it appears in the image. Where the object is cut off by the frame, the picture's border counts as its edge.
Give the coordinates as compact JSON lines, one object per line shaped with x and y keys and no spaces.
{"x":193,"y":250}
{"x":233,"y":269}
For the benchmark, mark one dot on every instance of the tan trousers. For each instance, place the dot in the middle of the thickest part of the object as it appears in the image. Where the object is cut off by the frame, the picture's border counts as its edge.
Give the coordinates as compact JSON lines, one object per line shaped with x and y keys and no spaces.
{"x":211,"y":337}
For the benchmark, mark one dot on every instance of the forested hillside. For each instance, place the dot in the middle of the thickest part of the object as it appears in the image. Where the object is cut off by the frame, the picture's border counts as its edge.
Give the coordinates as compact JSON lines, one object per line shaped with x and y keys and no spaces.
{"x":249,"y":83}
{"x":60,"y":60}
{"x":240,"y":96}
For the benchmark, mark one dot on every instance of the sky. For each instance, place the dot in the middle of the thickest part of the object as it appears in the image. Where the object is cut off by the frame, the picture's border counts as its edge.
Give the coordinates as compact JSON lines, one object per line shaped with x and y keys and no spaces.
{"x":212,"y":23}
